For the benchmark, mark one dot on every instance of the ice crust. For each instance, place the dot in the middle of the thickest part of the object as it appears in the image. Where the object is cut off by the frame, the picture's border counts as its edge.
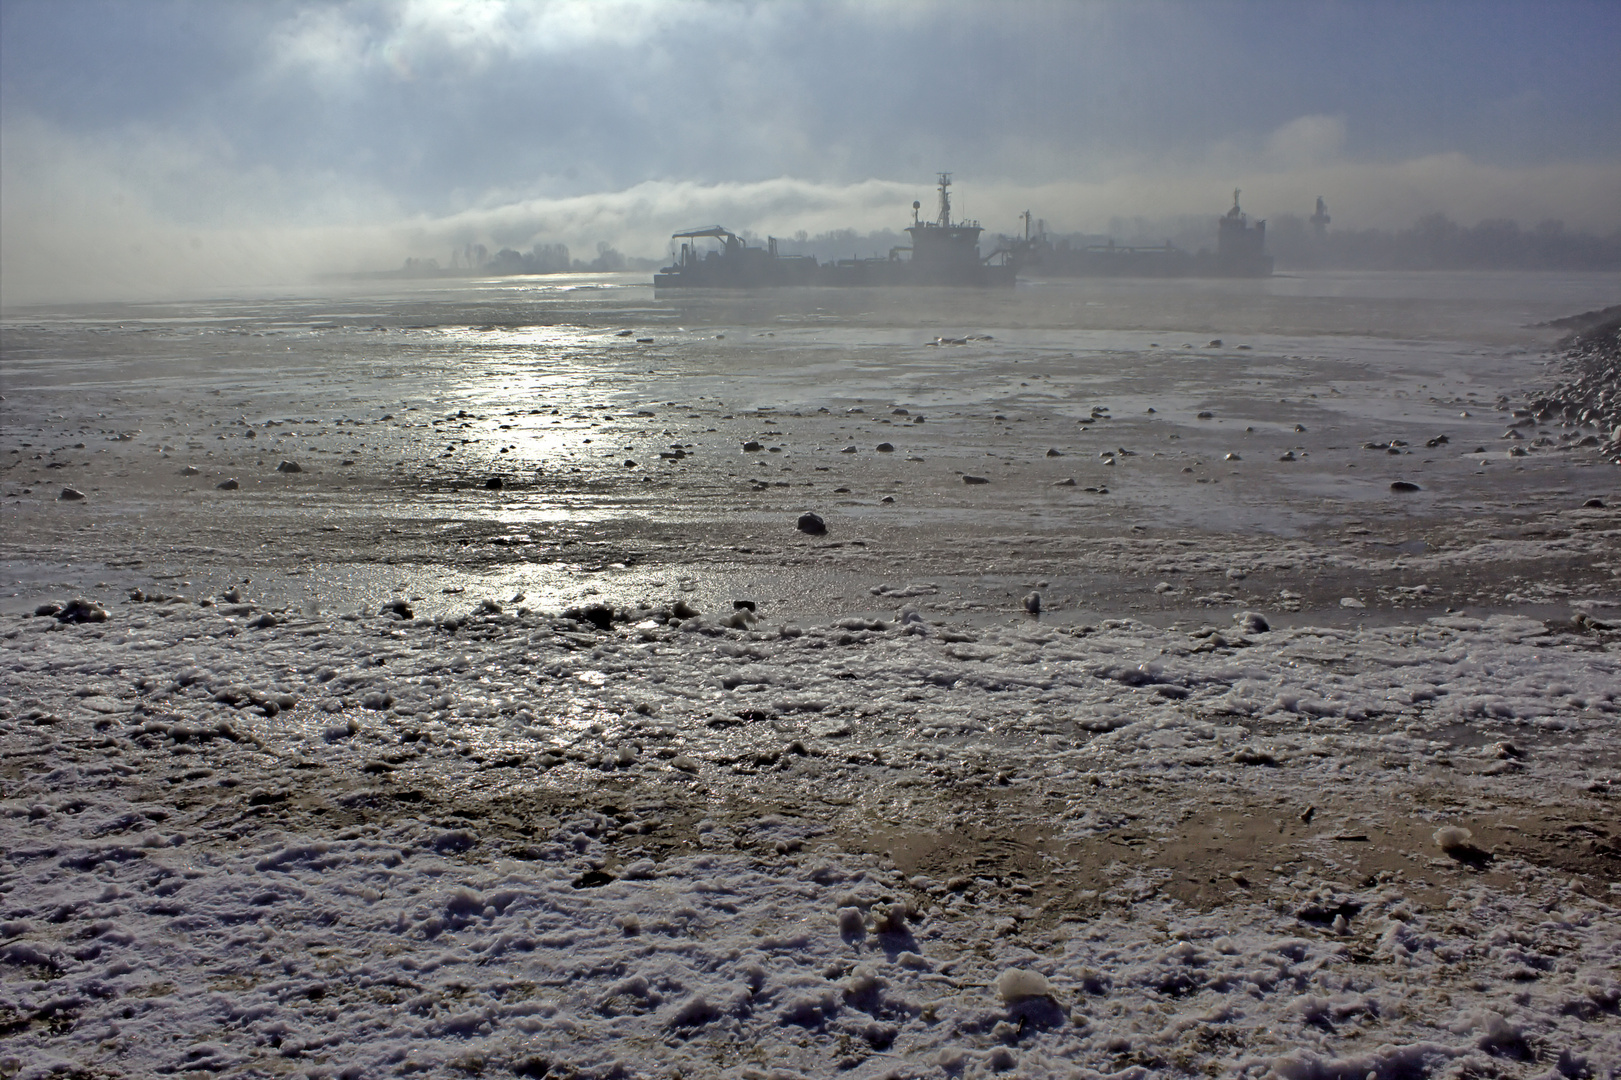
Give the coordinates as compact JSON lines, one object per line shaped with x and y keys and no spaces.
{"x":145,"y":936}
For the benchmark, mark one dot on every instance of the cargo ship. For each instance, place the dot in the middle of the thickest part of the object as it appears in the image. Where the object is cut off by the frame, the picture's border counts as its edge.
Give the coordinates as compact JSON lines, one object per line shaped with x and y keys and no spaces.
{"x":1240,"y":252}
{"x":942,"y":252}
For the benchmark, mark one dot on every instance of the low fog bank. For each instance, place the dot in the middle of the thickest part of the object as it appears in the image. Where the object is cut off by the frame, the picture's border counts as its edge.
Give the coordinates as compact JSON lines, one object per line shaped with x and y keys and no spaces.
{"x":75,"y":229}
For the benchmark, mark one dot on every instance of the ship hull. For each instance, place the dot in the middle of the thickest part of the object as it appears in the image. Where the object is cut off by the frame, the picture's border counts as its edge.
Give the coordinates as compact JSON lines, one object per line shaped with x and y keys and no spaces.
{"x":864,"y":273}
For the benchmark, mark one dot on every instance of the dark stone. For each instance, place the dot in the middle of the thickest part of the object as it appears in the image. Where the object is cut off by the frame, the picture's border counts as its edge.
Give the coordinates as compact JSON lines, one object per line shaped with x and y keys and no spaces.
{"x":598,"y":615}
{"x":812,"y":524}
{"x":1252,"y":622}
{"x":494,"y":483}
{"x":81,"y":611}
{"x":1404,"y":485}
{"x":71,"y":495}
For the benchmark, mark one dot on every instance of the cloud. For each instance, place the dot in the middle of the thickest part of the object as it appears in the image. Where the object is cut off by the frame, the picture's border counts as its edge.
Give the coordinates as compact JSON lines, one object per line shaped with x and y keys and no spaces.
{"x":1306,"y":142}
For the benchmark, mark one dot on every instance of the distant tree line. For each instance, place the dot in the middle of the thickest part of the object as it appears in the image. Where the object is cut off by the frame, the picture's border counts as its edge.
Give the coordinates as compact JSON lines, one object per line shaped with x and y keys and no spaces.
{"x":1433,"y":242}
{"x":838,"y":244}
{"x":539,"y":259}
{"x":1436,"y":242}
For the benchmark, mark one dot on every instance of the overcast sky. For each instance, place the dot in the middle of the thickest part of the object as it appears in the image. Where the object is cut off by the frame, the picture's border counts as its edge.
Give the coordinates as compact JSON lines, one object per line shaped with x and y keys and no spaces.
{"x":149,"y":145}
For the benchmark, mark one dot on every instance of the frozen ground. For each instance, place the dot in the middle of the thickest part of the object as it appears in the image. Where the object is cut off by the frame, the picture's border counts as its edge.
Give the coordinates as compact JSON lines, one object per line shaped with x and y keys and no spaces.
{"x":582,"y":814}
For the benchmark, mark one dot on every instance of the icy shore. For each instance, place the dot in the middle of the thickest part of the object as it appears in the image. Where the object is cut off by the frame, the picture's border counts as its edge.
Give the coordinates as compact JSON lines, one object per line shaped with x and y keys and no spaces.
{"x":1191,"y":679}
{"x":257,"y":842}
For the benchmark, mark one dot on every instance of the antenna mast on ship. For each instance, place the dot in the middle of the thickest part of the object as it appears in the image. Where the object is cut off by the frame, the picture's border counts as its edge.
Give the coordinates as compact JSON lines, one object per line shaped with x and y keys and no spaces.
{"x":945,"y":201}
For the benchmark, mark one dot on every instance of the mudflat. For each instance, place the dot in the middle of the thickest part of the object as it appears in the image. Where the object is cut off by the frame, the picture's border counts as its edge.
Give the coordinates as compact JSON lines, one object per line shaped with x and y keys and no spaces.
{"x":1240,"y":659}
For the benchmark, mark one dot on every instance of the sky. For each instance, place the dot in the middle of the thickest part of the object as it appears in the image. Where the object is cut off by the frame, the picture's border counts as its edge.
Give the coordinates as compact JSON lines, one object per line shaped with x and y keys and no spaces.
{"x":150,"y":147}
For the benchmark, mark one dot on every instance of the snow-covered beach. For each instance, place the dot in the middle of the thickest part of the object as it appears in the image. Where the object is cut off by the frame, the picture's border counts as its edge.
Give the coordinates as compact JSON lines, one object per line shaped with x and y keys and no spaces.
{"x":511,"y":727}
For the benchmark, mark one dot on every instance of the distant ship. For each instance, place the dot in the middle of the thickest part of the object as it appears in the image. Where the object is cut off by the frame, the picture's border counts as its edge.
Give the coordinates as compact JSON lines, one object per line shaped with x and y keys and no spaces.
{"x":942,"y":252}
{"x":1240,"y":252}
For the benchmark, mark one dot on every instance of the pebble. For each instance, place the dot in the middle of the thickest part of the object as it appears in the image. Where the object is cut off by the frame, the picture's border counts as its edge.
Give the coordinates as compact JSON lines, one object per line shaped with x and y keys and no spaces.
{"x":752,"y":446}
{"x":1288,"y":455}
{"x":228,"y":485}
{"x":848,"y":450}
{"x":1032,"y":603}
{"x":74,"y":611}
{"x":1055,"y":453}
{"x":1068,"y":481}
{"x":1451,"y":838}
{"x":1019,"y":984}
{"x":885,"y":448}
{"x":1593,"y":504}
{"x":812,"y":524}
{"x":71,"y":495}
{"x":970,"y":479}
{"x":494,"y":483}
{"x":1252,"y":622}
{"x":1404,"y":485}
{"x":190,"y":470}
{"x":289,"y":467}
{"x":1207,"y":415}
{"x":1351,"y":602}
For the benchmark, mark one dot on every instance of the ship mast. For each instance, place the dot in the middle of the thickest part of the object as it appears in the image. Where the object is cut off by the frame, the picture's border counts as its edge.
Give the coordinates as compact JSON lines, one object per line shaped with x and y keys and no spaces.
{"x":945,"y":201}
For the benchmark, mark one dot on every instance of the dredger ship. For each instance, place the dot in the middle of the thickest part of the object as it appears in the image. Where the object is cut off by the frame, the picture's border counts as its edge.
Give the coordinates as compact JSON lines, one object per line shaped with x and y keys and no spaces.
{"x":943,"y":252}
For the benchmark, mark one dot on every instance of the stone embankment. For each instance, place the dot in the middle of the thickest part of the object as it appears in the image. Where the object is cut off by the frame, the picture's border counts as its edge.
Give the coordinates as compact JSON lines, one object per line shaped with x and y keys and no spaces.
{"x":1590,"y":396}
